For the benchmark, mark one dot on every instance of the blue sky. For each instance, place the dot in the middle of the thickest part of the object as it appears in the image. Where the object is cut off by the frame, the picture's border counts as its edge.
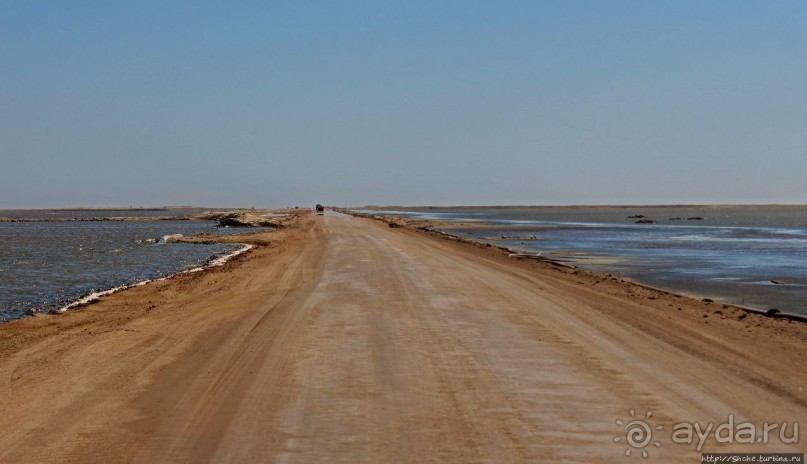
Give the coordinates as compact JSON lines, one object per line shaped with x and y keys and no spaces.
{"x":270,"y":104}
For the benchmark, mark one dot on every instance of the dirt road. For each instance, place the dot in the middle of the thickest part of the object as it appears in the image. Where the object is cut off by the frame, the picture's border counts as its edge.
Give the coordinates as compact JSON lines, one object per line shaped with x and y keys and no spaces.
{"x":353,"y":342}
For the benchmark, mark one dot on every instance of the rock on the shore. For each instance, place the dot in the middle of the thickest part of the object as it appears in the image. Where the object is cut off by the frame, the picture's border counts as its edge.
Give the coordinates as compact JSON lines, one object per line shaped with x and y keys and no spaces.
{"x":245,"y":219}
{"x":250,"y":218}
{"x":513,"y":237}
{"x":171,"y":238}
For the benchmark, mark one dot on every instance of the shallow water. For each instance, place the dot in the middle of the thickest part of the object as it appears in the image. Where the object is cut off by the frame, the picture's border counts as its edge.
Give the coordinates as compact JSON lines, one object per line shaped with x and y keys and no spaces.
{"x":49,"y":264}
{"x":732,"y":255}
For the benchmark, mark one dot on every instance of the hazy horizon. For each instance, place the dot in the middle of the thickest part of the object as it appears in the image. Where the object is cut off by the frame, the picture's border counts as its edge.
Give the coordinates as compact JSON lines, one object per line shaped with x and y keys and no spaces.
{"x":402,"y":103}
{"x":413,"y":206}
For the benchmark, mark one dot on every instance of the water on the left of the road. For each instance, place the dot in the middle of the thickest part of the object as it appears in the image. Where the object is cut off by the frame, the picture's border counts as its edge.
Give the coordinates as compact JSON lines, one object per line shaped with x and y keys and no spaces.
{"x":46,"y":265}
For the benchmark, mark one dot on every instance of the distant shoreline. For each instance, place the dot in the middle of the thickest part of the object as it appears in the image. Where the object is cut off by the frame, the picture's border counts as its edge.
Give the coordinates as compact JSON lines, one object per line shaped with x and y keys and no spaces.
{"x":89,"y":209}
{"x":683,"y":205}
{"x":104,"y":219}
{"x":125,"y":215}
{"x":112,"y":208}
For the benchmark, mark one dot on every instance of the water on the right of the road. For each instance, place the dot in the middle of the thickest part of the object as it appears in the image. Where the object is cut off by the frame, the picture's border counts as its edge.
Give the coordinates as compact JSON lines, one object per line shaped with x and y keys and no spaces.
{"x":753,"y":256}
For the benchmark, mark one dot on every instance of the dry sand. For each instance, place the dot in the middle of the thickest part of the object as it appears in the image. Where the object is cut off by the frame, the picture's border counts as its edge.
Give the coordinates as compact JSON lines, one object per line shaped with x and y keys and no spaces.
{"x":340,"y":339}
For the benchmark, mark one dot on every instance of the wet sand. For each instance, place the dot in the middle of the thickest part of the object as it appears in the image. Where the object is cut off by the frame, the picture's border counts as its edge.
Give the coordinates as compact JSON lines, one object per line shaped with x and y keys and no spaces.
{"x":340,"y":339}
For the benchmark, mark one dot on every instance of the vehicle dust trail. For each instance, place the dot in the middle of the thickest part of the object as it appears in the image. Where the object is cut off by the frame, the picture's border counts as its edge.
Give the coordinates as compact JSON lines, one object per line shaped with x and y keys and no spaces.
{"x":355,"y":342}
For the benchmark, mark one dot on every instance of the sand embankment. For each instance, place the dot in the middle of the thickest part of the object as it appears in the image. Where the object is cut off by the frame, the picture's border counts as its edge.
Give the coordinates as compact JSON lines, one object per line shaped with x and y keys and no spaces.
{"x":343,"y":339}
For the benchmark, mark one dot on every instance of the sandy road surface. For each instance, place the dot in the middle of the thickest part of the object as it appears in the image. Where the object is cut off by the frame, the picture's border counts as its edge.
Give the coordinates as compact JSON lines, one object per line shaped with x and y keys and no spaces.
{"x":353,"y":342}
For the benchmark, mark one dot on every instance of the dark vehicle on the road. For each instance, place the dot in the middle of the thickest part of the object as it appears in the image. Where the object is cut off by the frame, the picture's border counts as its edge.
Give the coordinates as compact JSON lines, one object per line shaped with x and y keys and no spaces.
{"x":320,"y":209}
